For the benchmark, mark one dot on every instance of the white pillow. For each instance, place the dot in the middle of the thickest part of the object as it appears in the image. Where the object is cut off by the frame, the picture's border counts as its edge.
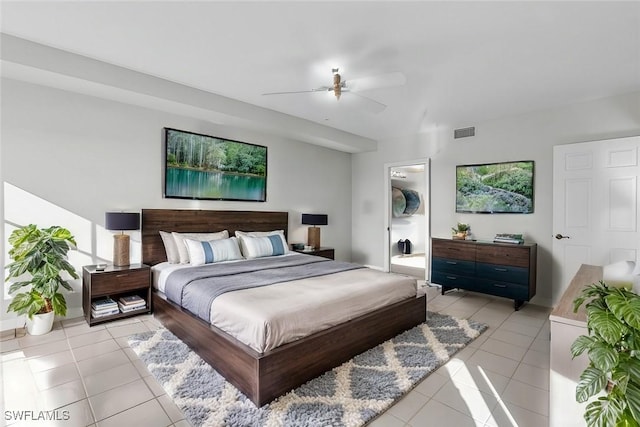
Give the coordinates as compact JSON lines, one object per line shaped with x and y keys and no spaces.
{"x":619,"y":274}
{"x":210,"y":251}
{"x":182,"y":248}
{"x":257,"y":247}
{"x":279,"y":233}
{"x":170,"y":247}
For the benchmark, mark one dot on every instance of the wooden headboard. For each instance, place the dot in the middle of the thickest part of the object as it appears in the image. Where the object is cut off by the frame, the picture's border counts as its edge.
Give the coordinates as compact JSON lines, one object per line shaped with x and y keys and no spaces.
{"x":201,"y":221}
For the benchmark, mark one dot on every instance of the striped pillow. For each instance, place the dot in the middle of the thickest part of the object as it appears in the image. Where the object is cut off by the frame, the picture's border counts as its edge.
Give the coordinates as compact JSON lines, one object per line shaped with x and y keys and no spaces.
{"x":183,"y":253}
{"x":257,"y":247}
{"x":279,"y":233}
{"x":210,"y":251}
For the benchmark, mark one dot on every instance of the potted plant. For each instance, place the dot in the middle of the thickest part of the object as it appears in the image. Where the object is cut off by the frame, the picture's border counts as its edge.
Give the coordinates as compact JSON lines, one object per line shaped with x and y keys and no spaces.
{"x":611,"y":381}
{"x":460,"y":231}
{"x":42,"y":254}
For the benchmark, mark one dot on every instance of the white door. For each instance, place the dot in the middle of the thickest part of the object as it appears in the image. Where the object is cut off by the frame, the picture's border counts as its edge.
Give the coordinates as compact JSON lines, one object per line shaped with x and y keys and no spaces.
{"x":595,"y":206}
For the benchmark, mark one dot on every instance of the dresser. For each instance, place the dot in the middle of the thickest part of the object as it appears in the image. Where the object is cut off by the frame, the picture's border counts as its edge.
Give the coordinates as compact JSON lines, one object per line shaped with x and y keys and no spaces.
{"x":501,"y":269}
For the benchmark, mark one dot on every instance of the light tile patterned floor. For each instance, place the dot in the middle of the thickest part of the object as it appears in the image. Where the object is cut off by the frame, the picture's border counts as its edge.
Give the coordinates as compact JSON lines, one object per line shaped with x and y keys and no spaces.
{"x":92,"y":378}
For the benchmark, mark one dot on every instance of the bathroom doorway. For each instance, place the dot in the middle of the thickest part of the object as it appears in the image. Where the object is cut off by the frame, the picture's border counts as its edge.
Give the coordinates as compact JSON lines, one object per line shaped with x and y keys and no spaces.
{"x":407,"y":241}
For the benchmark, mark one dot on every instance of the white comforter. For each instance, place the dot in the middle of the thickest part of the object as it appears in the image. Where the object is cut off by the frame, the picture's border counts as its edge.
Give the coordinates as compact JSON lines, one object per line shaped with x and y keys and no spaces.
{"x":267,"y":317}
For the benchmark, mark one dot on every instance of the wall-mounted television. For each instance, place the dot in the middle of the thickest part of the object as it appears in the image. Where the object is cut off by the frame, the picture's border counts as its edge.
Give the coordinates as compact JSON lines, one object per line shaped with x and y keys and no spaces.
{"x":505,"y":187}
{"x":207,"y":167}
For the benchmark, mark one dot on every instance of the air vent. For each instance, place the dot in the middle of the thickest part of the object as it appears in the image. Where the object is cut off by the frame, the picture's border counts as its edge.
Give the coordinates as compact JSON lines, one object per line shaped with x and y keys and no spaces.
{"x":464,"y":132}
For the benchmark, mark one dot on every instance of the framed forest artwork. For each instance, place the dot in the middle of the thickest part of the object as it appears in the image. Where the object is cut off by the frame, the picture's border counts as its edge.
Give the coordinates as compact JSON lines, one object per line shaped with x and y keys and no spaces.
{"x":210,"y":168}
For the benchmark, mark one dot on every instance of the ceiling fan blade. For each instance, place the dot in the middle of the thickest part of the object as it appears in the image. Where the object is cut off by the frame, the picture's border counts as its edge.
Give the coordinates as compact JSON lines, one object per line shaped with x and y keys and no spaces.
{"x":364,"y":103}
{"x":319,"y":89}
{"x":376,"y":82}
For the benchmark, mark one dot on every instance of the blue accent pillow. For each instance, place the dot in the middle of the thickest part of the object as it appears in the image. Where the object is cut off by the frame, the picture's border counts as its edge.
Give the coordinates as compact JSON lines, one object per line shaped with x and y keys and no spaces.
{"x":210,"y":251}
{"x":257,"y":247}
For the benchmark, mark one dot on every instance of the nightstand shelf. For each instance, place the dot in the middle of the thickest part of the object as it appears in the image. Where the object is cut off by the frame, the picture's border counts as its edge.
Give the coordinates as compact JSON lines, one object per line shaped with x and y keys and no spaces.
{"x":323,"y":252}
{"x":115,"y":282}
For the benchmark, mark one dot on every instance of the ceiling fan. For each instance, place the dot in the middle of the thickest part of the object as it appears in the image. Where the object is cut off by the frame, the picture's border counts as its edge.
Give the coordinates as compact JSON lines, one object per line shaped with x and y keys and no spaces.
{"x":352,"y":87}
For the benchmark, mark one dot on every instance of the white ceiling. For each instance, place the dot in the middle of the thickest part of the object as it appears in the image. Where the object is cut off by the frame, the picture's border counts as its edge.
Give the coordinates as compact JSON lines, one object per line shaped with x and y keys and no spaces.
{"x":464,"y":62}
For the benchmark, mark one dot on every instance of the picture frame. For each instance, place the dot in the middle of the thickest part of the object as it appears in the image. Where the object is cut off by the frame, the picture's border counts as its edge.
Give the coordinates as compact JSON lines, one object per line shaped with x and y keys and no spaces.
{"x":205,"y":167}
{"x":496,"y":188}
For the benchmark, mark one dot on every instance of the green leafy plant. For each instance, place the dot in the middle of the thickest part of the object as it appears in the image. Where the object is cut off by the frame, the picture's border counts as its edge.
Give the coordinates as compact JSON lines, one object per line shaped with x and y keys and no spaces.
{"x":460,"y":228}
{"x":612,"y":379}
{"x":42,"y":254}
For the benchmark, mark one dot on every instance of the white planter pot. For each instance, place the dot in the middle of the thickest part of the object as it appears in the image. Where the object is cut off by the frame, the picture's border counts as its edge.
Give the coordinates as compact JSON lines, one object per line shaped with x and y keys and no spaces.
{"x":40,"y":324}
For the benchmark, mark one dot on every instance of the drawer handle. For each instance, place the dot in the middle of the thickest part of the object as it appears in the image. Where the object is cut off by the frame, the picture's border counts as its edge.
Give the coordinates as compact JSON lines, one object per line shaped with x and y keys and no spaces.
{"x":499,"y":286}
{"x":452,"y":262}
{"x":451,"y":277}
{"x":501,"y":269}
{"x":121,"y":275}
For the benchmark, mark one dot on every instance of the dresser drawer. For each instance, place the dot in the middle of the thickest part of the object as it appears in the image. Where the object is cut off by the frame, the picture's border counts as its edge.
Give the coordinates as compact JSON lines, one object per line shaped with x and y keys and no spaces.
{"x":455,"y":249}
{"x":503,"y":289}
{"x":514,"y":255}
{"x":119,"y":281}
{"x":503,"y":273}
{"x":447,"y":265}
{"x":452,"y":280}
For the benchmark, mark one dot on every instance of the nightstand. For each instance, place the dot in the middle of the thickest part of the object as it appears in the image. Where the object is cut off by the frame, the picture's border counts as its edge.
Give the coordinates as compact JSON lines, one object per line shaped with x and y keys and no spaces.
{"x":115,"y":282}
{"x":323,"y":252}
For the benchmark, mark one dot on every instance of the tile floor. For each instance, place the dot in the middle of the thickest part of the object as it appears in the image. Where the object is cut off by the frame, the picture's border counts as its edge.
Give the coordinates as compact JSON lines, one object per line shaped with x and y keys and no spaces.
{"x":92,"y":378}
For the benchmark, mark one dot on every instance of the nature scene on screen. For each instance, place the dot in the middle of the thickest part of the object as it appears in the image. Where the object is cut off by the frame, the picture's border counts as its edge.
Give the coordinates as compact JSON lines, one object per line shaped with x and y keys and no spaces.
{"x":495,"y":188}
{"x":205,"y":167}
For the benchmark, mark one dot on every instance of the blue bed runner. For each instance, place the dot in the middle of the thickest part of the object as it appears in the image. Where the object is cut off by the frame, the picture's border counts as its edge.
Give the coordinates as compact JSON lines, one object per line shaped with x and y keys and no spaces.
{"x":195,"y":288}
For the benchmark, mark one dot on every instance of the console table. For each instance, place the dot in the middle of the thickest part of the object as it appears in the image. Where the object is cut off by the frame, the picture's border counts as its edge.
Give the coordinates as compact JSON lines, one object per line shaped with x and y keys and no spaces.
{"x":501,"y":269}
{"x":564,"y":372}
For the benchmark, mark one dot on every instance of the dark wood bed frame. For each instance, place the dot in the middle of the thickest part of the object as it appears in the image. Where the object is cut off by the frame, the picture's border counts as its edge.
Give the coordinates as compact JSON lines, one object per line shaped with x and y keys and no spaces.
{"x":264,"y":376}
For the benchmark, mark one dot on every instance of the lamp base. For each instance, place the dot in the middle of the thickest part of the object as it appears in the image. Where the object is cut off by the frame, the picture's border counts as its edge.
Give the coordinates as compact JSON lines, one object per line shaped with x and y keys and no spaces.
{"x":121,"y":250}
{"x":313,"y":237}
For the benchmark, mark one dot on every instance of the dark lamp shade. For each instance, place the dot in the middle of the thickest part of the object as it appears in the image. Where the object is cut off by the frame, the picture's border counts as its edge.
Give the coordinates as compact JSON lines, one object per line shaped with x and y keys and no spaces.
{"x":122,"y":221}
{"x":315,"y":219}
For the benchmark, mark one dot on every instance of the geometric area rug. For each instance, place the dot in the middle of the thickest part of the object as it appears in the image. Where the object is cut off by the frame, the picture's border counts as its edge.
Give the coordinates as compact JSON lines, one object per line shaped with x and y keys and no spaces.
{"x":353,"y":394}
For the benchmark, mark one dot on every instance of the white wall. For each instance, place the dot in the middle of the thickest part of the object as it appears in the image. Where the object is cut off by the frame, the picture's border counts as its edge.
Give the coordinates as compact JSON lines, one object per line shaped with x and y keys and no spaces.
{"x":525,"y":137}
{"x":369,"y":209}
{"x":67,"y":158}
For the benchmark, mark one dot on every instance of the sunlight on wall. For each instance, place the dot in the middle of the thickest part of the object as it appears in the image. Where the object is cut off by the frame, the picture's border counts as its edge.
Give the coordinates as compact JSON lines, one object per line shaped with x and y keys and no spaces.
{"x":94,"y":243}
{"x":23,"y":208}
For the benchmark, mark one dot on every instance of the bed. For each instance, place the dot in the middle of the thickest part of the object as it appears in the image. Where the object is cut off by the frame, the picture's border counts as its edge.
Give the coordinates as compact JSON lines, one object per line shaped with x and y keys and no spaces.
{"x":264,"y":375}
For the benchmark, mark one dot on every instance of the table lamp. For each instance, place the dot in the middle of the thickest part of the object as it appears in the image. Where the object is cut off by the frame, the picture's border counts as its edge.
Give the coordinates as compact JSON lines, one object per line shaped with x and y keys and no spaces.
{"x":121,"y":221}
{"x":313,"y":238}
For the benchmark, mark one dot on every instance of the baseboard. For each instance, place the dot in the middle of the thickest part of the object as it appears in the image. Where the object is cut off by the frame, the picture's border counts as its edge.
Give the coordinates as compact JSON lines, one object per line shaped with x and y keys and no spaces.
{"x":12,"y":324}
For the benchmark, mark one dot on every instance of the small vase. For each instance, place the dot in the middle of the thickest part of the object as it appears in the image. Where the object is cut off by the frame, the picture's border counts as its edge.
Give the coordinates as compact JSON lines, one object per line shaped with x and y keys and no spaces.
{"x":40,"y":324}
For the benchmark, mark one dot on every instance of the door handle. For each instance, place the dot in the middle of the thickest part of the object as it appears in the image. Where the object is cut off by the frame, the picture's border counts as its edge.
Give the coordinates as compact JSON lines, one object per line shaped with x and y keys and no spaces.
{"x":560,"y":236}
